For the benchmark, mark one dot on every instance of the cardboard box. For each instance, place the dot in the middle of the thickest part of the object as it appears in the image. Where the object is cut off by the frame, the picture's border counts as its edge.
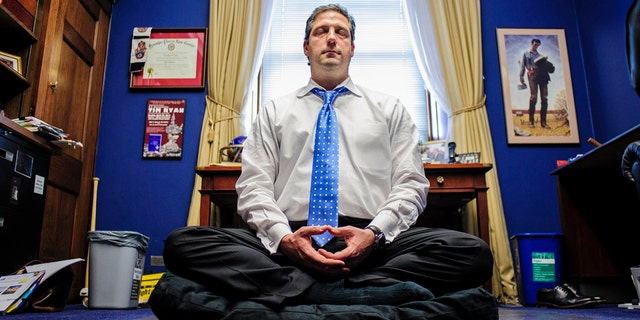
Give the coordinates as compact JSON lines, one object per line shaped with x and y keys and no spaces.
{"x":149,"y":282}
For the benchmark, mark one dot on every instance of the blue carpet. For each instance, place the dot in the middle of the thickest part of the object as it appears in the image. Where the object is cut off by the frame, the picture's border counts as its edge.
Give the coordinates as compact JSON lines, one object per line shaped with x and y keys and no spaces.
{"x":78,"y":312}
{"x":605,"y":311}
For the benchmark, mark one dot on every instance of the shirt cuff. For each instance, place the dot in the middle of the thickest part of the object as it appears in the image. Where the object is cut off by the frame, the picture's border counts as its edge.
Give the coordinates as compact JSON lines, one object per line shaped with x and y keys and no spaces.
{"x":271,"y":239}
{"x":387,"y":225}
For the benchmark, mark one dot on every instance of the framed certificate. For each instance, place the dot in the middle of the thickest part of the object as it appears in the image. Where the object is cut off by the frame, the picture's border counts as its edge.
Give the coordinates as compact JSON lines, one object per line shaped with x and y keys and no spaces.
{"x":175,"y":59}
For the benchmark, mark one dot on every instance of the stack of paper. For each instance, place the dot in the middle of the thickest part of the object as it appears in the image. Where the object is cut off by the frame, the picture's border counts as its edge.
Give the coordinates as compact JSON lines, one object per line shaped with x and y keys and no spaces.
{"x":57,"y":136}
{"x":16,"y":288}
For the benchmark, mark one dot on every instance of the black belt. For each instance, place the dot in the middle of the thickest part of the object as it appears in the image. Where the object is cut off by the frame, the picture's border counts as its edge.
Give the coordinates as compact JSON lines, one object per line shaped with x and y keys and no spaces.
{"x":342,"y":221}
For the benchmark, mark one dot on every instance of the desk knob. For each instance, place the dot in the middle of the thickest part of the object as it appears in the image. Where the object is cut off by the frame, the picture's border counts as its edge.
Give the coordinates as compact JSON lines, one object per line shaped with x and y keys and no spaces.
{"x":440,"y":179}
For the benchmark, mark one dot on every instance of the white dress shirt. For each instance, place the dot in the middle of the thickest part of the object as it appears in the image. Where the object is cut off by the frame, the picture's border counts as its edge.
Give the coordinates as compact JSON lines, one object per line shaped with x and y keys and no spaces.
{"x":381,"y":172}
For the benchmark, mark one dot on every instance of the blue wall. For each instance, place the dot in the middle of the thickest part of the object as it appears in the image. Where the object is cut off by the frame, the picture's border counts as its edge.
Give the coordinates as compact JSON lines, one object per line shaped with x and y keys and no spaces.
{"x":152,"y":196}
{"x":606,"y":104}
{"x":615,"y":106}
{"x":148,"y":196}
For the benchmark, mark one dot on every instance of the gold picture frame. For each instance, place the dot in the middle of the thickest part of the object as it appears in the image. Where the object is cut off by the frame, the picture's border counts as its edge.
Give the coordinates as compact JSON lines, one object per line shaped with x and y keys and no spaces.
{"x":562,"y":125}
{"x":14,"y":62}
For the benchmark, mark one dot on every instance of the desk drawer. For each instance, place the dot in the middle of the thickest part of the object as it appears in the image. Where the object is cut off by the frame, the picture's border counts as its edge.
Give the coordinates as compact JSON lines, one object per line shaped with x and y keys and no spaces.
{"x":446,"y":180}
{"x":225,"y":182}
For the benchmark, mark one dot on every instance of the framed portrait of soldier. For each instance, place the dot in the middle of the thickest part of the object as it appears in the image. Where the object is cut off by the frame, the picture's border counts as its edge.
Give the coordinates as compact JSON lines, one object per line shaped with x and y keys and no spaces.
{"x":536,"y":84}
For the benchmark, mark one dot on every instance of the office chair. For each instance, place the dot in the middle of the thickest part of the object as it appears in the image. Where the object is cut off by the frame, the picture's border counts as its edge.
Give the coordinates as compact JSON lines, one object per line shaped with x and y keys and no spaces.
{"x":631,"y":164}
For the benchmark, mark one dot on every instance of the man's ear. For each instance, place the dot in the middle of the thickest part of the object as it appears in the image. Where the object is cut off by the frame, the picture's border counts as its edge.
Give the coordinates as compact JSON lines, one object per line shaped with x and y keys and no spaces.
{"x":305,"y":47}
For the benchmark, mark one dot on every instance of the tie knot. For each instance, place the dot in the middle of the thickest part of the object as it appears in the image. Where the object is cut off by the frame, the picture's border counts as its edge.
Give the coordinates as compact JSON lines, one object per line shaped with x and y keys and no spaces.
{"x":329,"y":96}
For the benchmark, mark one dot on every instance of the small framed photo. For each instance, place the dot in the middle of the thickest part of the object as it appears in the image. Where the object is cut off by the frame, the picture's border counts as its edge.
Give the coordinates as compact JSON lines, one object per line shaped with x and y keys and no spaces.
{"x":14,"y":62}
{"x":24,"y":164}
{"x":435,"y":151}
{"x":473,"y":157}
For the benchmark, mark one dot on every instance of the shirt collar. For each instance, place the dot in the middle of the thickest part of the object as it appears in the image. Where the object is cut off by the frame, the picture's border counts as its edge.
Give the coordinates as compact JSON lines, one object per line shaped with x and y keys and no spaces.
{"x":312,"y":84}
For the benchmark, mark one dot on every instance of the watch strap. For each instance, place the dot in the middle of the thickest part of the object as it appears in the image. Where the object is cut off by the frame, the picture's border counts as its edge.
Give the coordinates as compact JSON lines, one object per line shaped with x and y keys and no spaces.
{"x":380,"y":240}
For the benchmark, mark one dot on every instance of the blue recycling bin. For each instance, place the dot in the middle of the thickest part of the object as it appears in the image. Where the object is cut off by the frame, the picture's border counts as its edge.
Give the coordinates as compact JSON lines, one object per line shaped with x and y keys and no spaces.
{"x":538,"y":263}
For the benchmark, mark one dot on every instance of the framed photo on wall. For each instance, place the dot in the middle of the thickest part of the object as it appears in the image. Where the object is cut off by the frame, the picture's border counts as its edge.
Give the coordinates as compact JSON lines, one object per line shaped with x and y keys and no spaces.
{"x":175,"y":58}
{"x":534,"y":64}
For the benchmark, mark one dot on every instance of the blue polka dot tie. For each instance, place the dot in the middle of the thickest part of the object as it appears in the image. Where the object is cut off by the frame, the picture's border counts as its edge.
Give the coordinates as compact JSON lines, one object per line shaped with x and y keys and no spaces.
{"x":323,"y":200}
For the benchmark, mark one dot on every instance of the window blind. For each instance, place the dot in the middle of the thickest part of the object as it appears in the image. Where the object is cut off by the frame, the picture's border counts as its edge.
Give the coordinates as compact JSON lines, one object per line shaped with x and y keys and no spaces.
{"x":383,"y":58}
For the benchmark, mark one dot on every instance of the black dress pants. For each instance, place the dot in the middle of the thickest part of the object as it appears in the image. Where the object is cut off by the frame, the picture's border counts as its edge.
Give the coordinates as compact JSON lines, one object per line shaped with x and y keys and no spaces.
{"x":235,"y":264}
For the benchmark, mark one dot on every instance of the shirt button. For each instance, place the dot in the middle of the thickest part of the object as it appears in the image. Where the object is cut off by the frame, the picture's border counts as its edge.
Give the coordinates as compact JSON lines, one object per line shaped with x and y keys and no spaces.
{"x":392,"y":234}
{"x":271,"y":244}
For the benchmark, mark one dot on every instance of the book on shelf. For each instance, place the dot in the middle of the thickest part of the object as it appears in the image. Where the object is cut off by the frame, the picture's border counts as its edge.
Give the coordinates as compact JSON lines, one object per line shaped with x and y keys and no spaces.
{"x":36,"y":125}
{"x":15,"y":289}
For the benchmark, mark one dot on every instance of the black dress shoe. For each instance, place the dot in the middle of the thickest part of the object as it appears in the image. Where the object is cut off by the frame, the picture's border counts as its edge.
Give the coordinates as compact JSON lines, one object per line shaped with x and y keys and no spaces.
{"x":564,"y":296}
{"x":579,"y":295}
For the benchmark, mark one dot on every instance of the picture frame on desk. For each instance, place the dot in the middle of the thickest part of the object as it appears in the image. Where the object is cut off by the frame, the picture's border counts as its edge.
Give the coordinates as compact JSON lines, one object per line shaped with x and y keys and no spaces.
{"x":175,"y":60}
{"x":435,"y":151}
{"x":513,"y":47}
{"x":472,"y":157}
{"x":14,"y":62}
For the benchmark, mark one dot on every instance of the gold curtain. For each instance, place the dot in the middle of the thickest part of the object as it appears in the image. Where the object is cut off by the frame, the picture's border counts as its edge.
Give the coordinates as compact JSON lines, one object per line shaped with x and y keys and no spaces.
{"x":458,"y":33}
{"x":232,"y":45}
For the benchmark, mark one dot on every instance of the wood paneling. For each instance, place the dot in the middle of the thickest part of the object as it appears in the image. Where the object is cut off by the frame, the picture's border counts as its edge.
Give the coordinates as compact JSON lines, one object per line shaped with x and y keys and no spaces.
{"x":56,"y":238}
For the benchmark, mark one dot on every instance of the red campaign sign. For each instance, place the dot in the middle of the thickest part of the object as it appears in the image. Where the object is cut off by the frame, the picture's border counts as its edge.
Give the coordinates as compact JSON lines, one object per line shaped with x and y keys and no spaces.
{"x":164,"y":128}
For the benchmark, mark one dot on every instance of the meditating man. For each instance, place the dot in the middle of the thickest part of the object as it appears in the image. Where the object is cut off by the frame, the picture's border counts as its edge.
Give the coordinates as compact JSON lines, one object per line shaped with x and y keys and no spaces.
{"x":332,"y":183}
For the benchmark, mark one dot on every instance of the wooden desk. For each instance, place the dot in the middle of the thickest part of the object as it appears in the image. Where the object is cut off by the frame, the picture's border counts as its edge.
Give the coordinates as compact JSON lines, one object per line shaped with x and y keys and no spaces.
{"x":600,"y":221}
{"x":452,"y":186}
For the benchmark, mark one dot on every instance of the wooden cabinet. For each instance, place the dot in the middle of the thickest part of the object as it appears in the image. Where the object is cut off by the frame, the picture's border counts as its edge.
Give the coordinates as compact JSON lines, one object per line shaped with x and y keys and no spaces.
{"x":24,"y":166}
{"x":66,"y":71}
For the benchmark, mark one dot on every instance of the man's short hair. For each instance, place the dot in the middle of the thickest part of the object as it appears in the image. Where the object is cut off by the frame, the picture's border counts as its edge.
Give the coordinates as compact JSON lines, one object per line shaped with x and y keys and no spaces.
{"x":330,"y":7}
{"x":535,"y":40}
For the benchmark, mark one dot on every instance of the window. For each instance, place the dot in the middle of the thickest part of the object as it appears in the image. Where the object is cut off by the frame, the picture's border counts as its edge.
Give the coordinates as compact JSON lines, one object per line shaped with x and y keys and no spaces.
{"x":383,"y":59}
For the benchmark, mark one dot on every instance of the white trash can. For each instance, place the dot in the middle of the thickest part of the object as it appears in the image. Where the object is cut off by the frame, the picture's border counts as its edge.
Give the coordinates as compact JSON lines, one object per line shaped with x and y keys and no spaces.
{"x":116,"y":263}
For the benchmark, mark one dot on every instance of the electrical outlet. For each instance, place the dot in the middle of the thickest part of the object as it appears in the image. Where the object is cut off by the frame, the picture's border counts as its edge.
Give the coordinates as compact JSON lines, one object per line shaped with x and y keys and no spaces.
{"x":157,"y":261}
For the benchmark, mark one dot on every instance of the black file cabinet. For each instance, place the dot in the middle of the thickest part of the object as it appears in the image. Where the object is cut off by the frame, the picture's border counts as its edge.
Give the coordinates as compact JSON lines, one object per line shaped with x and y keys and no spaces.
{"x":24,"y":168}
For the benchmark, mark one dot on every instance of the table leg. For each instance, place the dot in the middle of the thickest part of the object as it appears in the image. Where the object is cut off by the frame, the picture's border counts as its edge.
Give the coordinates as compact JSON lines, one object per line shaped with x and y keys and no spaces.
{"x":205,"y":208}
